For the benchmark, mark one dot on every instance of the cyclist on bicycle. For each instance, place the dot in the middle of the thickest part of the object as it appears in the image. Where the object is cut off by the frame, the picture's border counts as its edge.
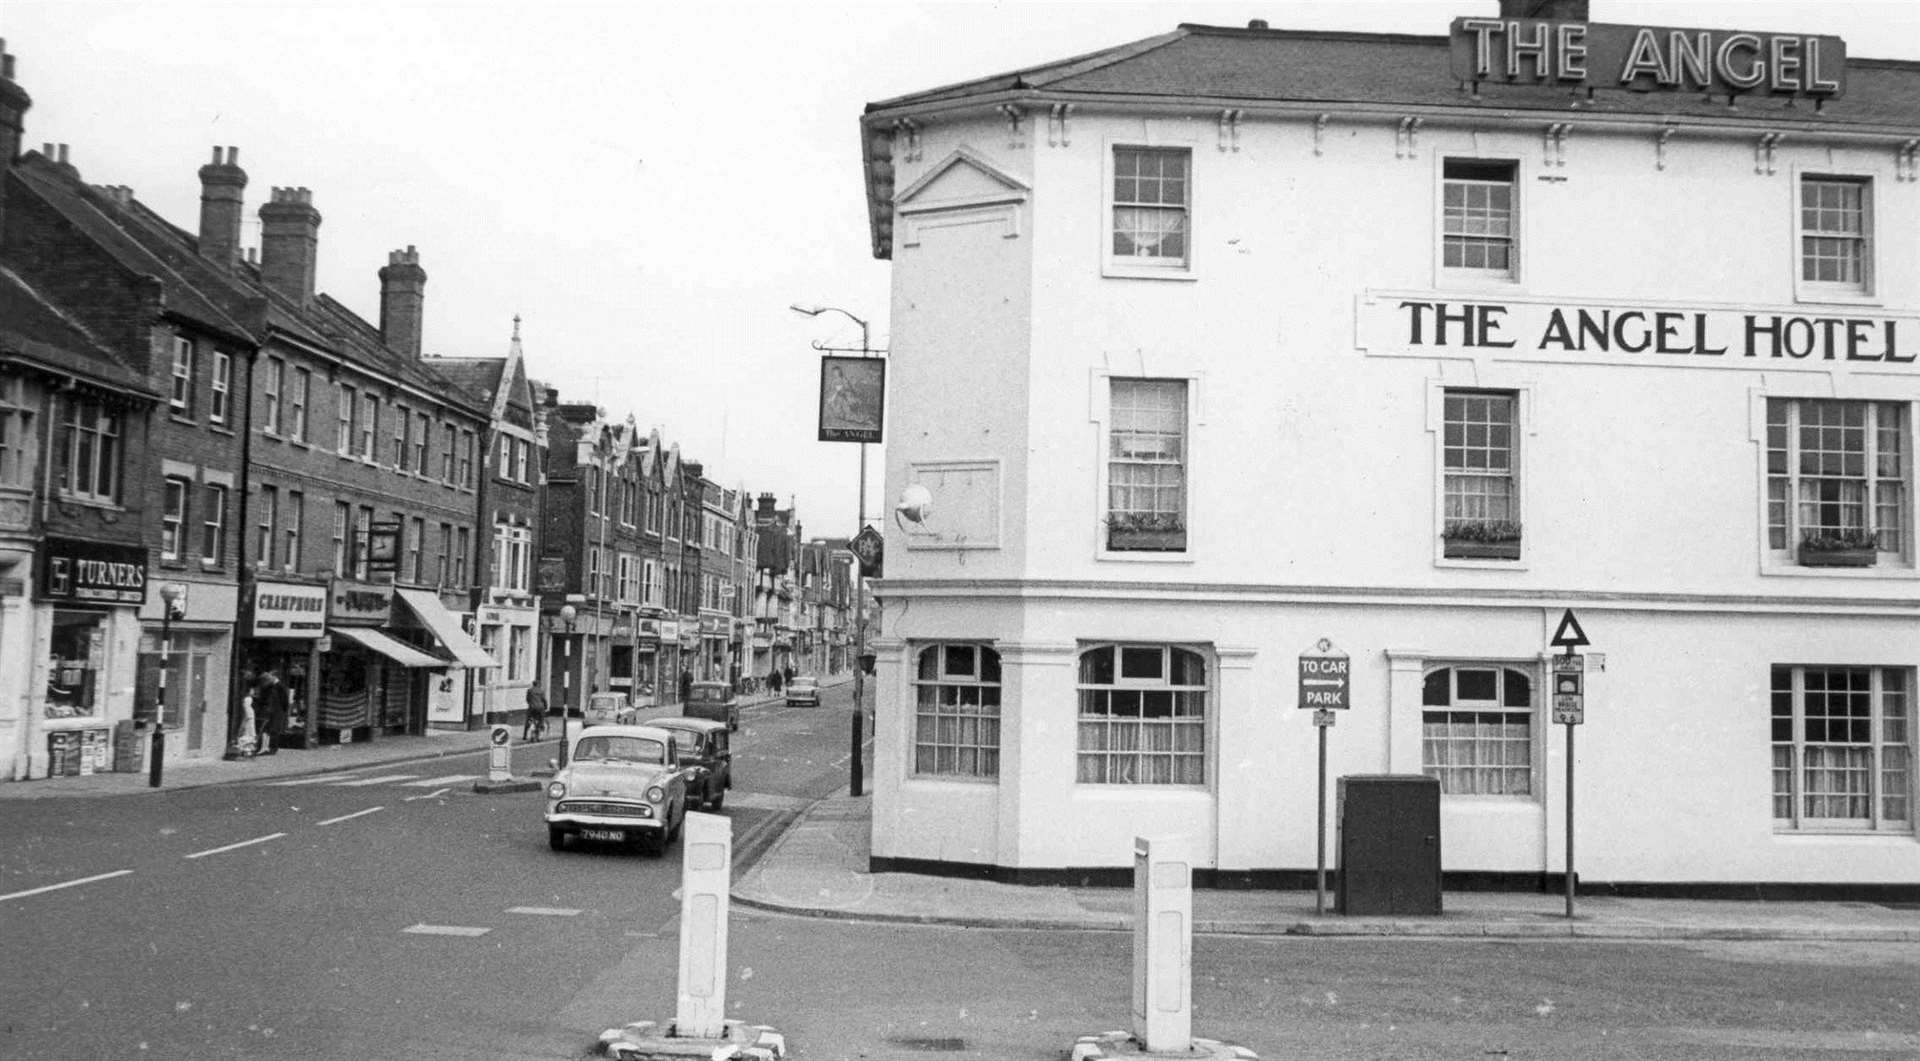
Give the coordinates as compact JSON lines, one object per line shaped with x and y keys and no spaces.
{"x":536,"y":724}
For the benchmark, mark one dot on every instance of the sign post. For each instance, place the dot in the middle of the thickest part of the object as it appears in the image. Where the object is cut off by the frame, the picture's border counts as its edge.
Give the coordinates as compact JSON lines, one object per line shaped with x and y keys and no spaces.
{"x":1323,"y":690}
{"x":1569,"y":708}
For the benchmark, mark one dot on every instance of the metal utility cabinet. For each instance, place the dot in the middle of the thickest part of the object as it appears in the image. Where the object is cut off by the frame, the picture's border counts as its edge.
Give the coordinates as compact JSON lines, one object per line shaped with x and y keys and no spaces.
{"x":1389,"y":844}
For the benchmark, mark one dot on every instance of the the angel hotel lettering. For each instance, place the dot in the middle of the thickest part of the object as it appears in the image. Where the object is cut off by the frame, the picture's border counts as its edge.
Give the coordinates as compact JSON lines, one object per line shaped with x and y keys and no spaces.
{"x":1647,"y":57}
{"x":1588,"y":332}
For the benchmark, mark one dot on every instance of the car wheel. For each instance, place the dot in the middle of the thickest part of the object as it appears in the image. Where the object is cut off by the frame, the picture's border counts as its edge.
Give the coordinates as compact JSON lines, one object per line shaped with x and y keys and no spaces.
{"x":556,"y":838}
{"x":715,"y":799}
{"x":654,"y":844}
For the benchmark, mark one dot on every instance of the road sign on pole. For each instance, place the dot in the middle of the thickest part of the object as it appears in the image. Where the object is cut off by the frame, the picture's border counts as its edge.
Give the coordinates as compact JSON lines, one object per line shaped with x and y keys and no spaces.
{"x":1323,"y":678}
{"x":1568,"y":634}
{"x":1569,"y":689}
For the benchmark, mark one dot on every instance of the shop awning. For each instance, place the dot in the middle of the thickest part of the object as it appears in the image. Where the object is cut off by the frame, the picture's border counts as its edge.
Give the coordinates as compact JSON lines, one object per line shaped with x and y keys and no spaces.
{"x":375,"y":641}
{"x":446,"y":628}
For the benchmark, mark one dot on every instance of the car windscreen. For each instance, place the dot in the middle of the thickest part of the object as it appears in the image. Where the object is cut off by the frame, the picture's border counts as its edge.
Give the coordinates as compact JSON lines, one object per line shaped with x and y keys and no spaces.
{"x":713,"y":695}
{"x":621,"y":750}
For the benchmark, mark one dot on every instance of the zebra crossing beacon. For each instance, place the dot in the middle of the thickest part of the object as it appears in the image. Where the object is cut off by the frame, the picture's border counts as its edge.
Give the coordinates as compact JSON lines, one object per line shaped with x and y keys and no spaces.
{"x":1422,"y":339}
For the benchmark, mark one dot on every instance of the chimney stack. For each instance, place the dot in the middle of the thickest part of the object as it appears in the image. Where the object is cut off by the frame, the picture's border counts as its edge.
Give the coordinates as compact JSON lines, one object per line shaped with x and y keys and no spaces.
{"x":14,"y":102}
{"x":289,"y":243}
{"x":764,"y":505}
{"x":57,"y":154}
{"x":222,"y":188}
{"x":1556,"y":10}
{"x":403,"y":301}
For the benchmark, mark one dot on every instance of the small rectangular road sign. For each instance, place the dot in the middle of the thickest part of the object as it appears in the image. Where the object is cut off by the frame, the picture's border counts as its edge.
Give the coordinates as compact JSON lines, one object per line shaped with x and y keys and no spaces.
{"x":1569,"y":690}
{"x":1323,"y":682}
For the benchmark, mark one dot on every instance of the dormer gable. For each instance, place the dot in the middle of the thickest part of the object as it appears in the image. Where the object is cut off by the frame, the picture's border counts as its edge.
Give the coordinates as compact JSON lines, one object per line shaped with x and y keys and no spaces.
{"x":964,"y":178}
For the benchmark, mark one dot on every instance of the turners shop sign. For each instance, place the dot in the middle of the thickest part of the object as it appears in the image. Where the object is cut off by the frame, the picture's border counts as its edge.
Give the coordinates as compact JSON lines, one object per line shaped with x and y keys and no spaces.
{"x":1647,"y":58}
{"x":1636,"y":333}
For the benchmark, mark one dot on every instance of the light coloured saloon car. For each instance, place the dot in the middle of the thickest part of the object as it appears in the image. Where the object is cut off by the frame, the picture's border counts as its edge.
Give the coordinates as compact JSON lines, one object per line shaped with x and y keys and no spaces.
{"x":621,"y":784}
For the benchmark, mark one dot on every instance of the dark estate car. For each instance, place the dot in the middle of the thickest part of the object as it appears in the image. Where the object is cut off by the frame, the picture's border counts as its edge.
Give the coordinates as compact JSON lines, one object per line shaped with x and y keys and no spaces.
{"x":705,"y":750}
{"x":714,"y":700}
{"x":803,"y":689}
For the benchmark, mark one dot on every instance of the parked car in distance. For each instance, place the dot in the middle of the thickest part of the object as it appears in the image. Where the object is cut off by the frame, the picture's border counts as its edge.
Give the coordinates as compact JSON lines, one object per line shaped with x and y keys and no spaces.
{"x":803,"y":689}
{"x":610,"y":709}
{"x":714,"y":700}
{"x":706,"y":752}
{"x":621,"y":784}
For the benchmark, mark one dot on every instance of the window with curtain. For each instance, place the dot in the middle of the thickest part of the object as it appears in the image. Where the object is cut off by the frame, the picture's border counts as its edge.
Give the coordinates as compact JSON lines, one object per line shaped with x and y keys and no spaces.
{"x":1481,"y":495}
{"x":299,"y":395}
{"x":1143,"y":716}
{"x":296,"y":520}
{"x":1477,"y":727}
{"x":344,"y":406}
{"x":1842,"y":749}
{"x":1150,"y":206}
{"x":1836,"y":477}
{"x":956,"y":720}
{"x":1147,"y":465}
{"x":369,"y":425}
{"x":1478,"y":230}
{"x":342,"y":534}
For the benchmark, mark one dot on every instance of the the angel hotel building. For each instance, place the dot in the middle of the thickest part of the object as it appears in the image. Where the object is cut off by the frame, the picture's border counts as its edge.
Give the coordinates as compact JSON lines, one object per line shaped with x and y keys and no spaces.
{"x":1213,"y":347}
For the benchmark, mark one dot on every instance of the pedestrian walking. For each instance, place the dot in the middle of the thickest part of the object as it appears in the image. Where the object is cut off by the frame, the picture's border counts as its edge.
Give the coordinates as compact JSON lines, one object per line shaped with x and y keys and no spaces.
{"x":773,"y":680}
{"x":243,"y":742}
{"x":271,"y":705}
{"x":686,"y":685}
{"x":536,"y":724}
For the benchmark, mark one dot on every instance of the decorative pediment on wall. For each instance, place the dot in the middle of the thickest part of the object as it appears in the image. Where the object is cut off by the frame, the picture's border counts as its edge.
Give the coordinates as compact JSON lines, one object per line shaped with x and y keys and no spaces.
{"x":962,"y":189}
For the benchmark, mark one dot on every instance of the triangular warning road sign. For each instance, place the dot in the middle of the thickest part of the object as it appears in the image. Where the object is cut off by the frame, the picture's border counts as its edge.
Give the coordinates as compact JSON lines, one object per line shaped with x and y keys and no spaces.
{"x":1569,"y":635}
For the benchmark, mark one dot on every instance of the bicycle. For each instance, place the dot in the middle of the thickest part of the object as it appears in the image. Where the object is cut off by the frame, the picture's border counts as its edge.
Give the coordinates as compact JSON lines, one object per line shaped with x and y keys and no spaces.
{"x":537,"y":726}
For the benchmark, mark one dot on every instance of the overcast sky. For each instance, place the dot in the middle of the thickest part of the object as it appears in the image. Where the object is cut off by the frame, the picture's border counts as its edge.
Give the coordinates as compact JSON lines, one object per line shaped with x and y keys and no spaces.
{"x":648,"y":184}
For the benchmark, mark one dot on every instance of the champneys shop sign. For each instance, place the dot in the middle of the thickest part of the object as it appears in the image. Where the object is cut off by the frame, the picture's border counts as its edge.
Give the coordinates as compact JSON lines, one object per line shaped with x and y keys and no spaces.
{"x":1647,"y":58}
{"x":1636,"y":333}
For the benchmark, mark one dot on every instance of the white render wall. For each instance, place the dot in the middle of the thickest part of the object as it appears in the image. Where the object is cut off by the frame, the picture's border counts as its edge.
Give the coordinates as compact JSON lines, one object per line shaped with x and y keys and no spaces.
{"x":1314,"y":492}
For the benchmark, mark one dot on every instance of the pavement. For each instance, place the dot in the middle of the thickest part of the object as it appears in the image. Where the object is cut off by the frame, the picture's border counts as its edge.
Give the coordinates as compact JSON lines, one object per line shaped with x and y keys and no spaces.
{"x":818,"y":868}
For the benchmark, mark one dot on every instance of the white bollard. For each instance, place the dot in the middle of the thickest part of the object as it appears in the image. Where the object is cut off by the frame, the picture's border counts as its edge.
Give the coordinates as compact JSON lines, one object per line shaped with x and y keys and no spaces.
{"x":499,"y":752}
{"x":1162,"y":945}
{"x":705,"y":869}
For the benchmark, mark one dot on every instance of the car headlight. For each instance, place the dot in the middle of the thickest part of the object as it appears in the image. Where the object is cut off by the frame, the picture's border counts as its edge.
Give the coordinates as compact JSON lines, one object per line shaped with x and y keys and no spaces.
{"x":556,"y":789}
{"x":656,"y":794}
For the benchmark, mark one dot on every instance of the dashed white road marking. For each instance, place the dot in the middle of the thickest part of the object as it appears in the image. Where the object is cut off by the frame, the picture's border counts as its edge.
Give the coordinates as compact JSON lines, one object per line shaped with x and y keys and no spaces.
{"x":543,"y":911}
{"x":446,"y":930}
{"x":66,"y":884}
{"x":436,"y":793}
{"x":231,"y":847}
{"x":317,"y":779}
{"x":381,"y":779}
{"x":450,"y":779}
{"x":349,"y":817}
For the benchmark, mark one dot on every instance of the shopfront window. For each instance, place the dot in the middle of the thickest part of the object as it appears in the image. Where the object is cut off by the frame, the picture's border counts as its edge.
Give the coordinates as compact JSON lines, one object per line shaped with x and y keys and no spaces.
{"x":77,"y":658}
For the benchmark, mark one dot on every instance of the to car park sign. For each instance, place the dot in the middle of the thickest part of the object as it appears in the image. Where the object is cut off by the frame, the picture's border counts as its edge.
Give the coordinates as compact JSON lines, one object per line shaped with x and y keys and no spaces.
{"x":1323,"y":678}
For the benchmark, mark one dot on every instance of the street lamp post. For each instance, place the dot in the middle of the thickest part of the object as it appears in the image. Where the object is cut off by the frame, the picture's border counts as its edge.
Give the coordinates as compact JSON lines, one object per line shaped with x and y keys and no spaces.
{"x":859,"y":578}
{"x":170,"y":595}
{"x":568,"y":613}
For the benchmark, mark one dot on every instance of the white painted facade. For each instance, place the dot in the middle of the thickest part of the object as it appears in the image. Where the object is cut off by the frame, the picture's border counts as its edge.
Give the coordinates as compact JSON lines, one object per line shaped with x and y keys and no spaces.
{"x":1314,"y":476}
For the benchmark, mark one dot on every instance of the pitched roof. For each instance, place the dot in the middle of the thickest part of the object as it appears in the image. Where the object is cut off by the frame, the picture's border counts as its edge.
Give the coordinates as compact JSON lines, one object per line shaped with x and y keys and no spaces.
{"x":100,"y":219}
{"x":34,"y":330}
{"x":1214,"y":66}
{"x":478,"y":377}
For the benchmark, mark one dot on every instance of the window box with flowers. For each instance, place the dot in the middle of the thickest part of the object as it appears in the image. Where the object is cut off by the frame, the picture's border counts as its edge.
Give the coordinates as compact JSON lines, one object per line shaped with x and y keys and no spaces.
{"x":1147,"y":531}
{"x":1468,"y":539}
{"x":1848,"y":547}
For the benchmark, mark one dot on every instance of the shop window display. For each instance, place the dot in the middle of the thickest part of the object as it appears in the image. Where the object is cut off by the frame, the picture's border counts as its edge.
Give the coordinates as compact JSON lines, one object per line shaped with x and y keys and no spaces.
{"x":77,"y":656}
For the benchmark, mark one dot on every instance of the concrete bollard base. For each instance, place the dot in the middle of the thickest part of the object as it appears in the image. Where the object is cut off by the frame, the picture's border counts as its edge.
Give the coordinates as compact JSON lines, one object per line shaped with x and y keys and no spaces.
{"x":511,"y":784}
{"x":648,"y":1040}
{"x":1113,"y":1046}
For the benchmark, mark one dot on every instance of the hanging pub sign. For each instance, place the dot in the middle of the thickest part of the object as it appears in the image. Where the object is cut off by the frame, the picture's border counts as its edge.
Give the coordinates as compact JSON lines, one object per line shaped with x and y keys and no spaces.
{"x":362,"y":603}
{"x":853,"y":396}
{"x":73,"y":570}
{"x":1647,"y":58}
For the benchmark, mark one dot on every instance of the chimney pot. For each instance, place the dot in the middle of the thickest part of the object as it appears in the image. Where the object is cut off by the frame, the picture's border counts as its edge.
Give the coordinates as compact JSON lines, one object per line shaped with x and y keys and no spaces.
{"x":289,"y":244}
{"x":403,"y":298}
{"x":222,"y":203}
